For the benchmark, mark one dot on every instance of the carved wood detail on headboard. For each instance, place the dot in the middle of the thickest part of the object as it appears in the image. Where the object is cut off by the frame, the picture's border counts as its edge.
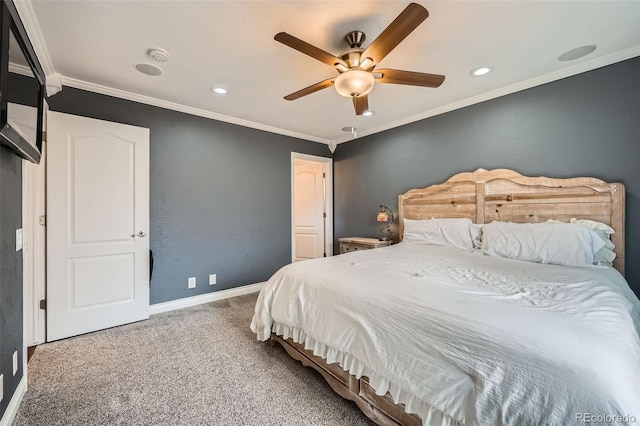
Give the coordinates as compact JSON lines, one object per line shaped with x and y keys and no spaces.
{"x":505,"y":195}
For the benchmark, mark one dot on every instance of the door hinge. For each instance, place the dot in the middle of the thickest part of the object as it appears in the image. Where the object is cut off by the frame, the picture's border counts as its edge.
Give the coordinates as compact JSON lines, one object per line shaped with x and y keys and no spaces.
{"x":43,"y":304}
{"x":324,"y":175}
{"x":324,"y":254}
{"x":43,"y":220}
{"x":324,"y":215}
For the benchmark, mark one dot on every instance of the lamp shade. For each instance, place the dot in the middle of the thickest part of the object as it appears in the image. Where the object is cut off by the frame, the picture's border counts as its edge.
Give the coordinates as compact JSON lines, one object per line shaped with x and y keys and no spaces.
{"x":354,"y":83}
{"x":383,"y":217}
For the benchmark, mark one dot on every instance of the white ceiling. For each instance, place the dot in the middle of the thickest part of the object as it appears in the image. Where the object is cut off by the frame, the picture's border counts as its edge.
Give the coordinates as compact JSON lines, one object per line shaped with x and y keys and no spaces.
{"x":94,"y":44}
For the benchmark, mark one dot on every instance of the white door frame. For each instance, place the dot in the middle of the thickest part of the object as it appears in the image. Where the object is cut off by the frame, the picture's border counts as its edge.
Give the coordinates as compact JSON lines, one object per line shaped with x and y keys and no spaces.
{"x":33,"y":254}
{"x":33,"y":250}
{"x":328,"y":238}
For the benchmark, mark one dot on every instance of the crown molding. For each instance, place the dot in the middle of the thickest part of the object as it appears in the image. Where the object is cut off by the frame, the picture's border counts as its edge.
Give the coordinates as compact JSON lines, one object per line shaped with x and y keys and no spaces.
{"x":30,"y":22}
{"x":55,"y":82}
{"x":603,"y":61}
{"x":20,"y":69}
{"x":148,"y":100}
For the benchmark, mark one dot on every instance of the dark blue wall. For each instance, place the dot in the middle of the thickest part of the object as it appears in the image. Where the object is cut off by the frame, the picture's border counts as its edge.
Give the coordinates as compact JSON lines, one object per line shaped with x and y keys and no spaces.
{"x":220,"y":194}
{"x":11,"y":286}
{"x":585,"y":125}
{"x":10,"y":271}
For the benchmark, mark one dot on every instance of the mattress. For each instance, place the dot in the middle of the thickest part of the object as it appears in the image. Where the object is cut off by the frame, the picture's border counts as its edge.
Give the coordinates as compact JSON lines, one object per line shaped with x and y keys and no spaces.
{"x":463,"y":338}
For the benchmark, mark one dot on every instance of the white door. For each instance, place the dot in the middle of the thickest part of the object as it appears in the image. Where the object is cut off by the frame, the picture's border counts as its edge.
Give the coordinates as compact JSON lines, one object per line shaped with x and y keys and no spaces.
{"x":97,"y":225}
{"x":309,"y":210}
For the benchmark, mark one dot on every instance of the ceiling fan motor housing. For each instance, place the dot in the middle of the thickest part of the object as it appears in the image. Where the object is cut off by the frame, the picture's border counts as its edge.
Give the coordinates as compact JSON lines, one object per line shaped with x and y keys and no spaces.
{"x":351,"y":57}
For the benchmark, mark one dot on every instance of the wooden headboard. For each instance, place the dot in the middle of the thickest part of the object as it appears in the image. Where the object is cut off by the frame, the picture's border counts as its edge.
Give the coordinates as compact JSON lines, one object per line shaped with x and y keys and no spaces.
{"x":487,"y":195}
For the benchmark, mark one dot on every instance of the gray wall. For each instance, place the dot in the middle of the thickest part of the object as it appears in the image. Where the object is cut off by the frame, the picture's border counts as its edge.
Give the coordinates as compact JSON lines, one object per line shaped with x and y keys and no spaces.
{"x":10,"y":271}
{"x":21,"y":92}
{"x":587,"y":124}
{"x":220,"y":194}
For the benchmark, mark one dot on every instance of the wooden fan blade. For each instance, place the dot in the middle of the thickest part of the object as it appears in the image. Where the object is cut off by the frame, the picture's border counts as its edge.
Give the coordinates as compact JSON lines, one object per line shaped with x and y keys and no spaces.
{"x":311,"y":89}
{"x":397,"y":31}
{"x":308,"y":49}
{"x":361,"y":104}
{"x":410,"y":78}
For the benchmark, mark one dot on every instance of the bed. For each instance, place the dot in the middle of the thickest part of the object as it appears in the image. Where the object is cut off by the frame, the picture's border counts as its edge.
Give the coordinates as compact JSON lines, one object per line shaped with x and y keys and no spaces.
{"x":436,"y":335}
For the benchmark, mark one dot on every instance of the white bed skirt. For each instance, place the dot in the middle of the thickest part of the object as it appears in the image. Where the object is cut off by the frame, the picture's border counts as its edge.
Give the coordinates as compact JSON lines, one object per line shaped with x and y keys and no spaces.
{"x":430,"y":416}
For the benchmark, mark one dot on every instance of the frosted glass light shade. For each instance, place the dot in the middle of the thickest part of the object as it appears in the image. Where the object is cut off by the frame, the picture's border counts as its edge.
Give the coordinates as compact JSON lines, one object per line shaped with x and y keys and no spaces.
{"x":383,"y":217}
{"x":354,"y":83}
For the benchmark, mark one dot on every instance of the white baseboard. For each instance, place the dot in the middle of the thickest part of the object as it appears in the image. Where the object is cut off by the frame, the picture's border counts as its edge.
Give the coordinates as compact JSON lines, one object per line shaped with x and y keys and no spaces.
{"x":14,"y":404}
{"x":203,"y":298}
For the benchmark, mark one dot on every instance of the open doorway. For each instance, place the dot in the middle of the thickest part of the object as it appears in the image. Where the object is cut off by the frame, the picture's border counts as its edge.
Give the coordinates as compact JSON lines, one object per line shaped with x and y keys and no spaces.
{"x":311,"y":207}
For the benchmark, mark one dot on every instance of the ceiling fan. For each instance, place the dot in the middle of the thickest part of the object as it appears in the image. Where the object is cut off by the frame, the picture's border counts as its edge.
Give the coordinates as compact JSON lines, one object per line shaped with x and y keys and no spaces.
{"x":355,"y":66}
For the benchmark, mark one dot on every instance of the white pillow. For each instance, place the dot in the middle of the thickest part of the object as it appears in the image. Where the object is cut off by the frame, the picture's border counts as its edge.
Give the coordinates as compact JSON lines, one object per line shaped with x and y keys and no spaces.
{"x":605,"y":255}
{"x":441,"y":232}
{"x":599,"y":227}
{"x":554,"y":243}
{"x":476,"y":235}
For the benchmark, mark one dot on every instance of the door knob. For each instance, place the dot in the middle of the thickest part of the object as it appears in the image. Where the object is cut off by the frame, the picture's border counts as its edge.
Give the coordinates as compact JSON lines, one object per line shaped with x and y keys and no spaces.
{"x":140,"y":234}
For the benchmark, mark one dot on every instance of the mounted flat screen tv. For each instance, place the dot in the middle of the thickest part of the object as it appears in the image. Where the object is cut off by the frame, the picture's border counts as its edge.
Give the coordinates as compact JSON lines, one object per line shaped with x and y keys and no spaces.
{"x":22,"y":84}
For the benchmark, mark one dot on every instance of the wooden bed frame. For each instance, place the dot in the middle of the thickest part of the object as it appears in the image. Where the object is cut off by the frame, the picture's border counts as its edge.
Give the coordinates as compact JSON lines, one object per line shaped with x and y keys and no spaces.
{"x":487,"y":195}
{"x":482,"y":196}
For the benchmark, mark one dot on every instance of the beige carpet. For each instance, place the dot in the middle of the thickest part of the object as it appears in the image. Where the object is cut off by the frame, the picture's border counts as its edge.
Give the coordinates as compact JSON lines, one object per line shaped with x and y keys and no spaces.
{"x":196,"y":366}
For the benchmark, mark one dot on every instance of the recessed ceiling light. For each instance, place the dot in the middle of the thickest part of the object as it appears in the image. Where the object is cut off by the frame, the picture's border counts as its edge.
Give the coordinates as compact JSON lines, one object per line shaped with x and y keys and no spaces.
{"x":148,"y":69}
{"x":219,"y":90}
{"x":478,"y":72}
{"x":368,"y":113}
{"x":577,"y":53}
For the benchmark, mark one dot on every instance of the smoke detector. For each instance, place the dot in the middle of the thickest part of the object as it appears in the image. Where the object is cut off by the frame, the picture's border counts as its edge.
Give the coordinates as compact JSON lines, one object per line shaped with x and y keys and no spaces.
{"x":159,"y":54}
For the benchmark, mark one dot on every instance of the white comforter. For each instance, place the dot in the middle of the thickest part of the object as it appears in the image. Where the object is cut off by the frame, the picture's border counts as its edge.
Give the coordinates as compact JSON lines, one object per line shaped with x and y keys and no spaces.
{"x":459,"y":337}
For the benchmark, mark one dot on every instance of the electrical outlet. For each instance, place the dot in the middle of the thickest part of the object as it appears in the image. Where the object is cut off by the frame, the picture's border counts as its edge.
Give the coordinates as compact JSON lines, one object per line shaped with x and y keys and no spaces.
{"x":1,"y":386}
{"x":192,"y":282}
{"x":212,"y":279}
{"x":15,"y":362}
{"x":18,"y":239}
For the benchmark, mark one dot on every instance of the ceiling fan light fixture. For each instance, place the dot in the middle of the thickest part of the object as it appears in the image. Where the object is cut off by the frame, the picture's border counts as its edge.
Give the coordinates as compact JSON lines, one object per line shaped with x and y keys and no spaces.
{"x":366,"y":63}
{"x":354,"y":83}
{"x":341,"y":68}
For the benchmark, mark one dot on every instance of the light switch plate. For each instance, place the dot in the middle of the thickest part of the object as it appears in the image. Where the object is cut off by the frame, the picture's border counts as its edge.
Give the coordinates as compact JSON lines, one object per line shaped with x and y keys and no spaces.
{"x":15,"y":362}
{"x":1,"y":386}
{"x":212,"y":279}
{"x":18,"y":239}
{"x":192,"y":282}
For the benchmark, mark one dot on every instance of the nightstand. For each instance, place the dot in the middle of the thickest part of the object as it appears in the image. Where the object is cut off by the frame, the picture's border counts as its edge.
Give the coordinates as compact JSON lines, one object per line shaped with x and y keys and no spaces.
{"x":357,"y":243}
